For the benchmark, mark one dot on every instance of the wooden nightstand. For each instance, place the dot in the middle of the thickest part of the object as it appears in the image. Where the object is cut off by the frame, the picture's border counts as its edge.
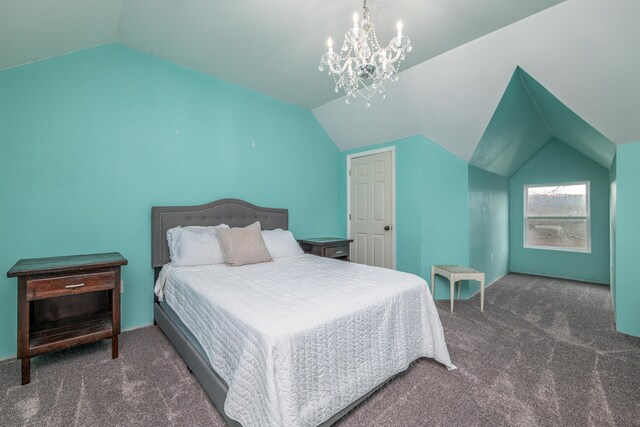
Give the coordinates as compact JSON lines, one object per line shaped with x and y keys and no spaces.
{"x":66,"y":301}
{"x":330,"y":247}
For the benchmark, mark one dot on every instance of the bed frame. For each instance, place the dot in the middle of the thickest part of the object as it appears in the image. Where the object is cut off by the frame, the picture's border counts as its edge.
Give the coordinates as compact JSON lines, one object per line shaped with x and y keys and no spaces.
{"x":235,"y":213}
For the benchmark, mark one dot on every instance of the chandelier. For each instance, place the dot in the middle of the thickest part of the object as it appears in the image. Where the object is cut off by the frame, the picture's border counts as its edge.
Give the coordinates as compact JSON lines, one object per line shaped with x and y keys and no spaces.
{"x":363,"y":68}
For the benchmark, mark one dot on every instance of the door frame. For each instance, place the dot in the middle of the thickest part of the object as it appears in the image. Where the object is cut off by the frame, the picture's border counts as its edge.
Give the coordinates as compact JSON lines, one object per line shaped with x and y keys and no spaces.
{"x":352,"y":156}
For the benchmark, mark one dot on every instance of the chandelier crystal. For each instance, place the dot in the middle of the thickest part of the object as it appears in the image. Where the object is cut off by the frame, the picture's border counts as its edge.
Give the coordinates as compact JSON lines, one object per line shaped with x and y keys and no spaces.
{"x":363,"y":68}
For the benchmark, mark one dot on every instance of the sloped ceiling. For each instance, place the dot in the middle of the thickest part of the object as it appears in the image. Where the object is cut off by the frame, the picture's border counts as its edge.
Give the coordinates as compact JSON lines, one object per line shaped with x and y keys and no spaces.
{"x":567,"y":126}
{"x":36,"y":29}
{"x":585,"y":52}
{"x":275,"y":46}
{"x":515,"y":133}
{"x":271,"y":46}
{"x":526,"y":118}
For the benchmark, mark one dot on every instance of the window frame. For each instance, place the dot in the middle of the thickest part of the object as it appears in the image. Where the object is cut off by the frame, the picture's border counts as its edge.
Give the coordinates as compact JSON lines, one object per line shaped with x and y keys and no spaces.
{"x":586,"y":217}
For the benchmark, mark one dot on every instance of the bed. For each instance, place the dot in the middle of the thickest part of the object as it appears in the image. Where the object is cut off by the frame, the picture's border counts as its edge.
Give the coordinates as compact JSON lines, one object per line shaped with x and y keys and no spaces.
{"x":297,"y":341}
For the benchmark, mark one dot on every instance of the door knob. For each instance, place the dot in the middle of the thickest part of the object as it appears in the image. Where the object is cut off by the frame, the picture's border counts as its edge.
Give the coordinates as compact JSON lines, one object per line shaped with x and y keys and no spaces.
{"x":387,"y":228}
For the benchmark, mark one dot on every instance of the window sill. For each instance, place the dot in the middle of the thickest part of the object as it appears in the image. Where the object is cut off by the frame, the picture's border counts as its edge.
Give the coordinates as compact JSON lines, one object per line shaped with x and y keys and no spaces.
{"x":559,"y":249}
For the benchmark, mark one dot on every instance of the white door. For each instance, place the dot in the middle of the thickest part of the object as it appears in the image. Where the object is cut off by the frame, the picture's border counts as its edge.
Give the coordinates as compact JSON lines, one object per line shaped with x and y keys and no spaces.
{"x":371,"y":209}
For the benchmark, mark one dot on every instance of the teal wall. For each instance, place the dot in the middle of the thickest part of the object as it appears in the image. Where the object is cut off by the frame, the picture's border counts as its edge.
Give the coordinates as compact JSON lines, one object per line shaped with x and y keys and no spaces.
{"x":445,"y":217}
{"x":488,"y":224}
{"x":91,"y":140}
{"x":556,"y":162}
{"x":432,"y":223}
{"x":627,"y":238}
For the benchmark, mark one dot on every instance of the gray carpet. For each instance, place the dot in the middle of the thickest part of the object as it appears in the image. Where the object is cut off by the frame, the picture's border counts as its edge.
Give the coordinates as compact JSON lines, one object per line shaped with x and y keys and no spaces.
{"x":544,"y":352}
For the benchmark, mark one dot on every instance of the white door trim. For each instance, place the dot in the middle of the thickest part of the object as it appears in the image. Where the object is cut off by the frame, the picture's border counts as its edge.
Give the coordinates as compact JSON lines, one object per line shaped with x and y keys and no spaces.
{"x":392,"y":149}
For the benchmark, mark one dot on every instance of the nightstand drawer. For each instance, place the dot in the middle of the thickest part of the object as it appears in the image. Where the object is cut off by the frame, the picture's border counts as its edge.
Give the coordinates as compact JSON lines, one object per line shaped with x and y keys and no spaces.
{"x":69,"y":285}
{"x":336,"y":251}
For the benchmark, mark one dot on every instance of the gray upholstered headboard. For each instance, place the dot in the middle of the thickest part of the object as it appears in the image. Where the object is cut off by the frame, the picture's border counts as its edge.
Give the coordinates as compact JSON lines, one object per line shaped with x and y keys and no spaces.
{"x":233,"y":212}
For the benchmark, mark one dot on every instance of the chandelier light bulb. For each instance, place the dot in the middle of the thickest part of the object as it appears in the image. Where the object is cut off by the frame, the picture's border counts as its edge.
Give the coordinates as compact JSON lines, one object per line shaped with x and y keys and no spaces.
{"x":355,"y":23}
{"x":363,"y":67}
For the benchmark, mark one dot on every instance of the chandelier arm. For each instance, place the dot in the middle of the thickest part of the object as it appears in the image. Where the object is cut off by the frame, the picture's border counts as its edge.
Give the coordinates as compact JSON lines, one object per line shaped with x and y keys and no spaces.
{"x":392,"y":60}
{"x":341,"y":68}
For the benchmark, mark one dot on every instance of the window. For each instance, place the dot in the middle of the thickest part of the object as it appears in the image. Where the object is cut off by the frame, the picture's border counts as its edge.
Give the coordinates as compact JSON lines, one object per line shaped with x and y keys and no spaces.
{"x":557,"y":217}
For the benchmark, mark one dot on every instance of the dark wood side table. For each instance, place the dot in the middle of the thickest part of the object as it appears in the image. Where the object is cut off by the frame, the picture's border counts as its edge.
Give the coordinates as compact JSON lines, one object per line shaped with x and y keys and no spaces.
{"x":66,"y":301}
{"x":330,"y":247}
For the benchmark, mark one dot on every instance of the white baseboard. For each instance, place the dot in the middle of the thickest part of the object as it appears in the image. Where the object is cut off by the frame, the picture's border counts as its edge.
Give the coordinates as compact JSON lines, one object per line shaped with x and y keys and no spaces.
{"x":486,"y":286}
{"x":573,"y":279}
{"x":533,"y":274}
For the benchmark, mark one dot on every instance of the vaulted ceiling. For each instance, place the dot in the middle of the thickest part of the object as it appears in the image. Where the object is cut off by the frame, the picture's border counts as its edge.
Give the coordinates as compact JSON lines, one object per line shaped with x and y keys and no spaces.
{"x":584,"y":52}
{"x":271,"y":46}
{"x":527,"y":117}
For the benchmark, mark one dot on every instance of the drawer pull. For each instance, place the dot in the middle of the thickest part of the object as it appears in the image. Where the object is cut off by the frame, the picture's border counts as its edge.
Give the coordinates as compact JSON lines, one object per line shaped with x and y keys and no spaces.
{"x":338,"y":252}
{"x":79,"y":285}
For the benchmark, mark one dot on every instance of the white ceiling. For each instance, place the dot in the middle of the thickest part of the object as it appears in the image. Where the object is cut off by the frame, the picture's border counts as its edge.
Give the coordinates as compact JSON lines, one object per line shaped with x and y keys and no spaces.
{"x":36,"y":29}
{"x":270,"y":46}
{"x":585,"y":52}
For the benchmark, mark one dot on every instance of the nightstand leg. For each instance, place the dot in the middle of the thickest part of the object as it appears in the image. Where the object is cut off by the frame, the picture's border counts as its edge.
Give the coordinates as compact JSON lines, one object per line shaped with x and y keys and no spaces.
{"x":482,"y":293}
{"x":452,"y":285}
{"x":114,"y":347}
{"x":433,"y":283}
{"x":26,"y":370}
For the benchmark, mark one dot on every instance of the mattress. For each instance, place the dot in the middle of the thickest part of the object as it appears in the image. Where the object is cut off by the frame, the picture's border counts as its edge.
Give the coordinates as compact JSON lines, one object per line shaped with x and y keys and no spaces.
{"x":300,"y":338}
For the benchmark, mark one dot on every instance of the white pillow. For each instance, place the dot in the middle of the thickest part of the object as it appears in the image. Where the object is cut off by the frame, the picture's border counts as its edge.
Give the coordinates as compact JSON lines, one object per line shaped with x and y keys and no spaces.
{"x":195,"y":245}
{"x":281,"y":243}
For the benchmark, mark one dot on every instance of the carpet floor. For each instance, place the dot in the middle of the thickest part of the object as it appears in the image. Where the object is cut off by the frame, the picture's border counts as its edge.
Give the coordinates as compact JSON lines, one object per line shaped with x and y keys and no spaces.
{"x":544,"y":352}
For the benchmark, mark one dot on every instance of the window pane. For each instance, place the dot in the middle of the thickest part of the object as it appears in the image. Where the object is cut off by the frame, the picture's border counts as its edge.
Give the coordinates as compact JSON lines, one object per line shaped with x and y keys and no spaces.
{"x":561,"y":233}
{"x":557,"y":200}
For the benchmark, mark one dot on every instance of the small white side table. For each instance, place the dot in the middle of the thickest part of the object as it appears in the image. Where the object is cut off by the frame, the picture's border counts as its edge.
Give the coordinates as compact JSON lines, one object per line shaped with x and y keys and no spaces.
{"x":455,"y":273}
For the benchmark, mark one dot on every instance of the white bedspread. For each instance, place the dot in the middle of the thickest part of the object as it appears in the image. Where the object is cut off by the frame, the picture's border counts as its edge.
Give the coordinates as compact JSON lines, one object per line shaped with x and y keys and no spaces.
{"x":299,"y":339}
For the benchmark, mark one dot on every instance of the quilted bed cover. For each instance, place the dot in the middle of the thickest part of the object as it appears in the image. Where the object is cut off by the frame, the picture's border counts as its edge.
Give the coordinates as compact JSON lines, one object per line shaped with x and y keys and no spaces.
{"x":300,"y":338}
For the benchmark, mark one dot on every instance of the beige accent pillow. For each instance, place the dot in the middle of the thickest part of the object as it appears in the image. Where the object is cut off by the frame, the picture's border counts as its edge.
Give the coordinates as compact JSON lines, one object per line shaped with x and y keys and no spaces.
{"x":242,"y":246}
